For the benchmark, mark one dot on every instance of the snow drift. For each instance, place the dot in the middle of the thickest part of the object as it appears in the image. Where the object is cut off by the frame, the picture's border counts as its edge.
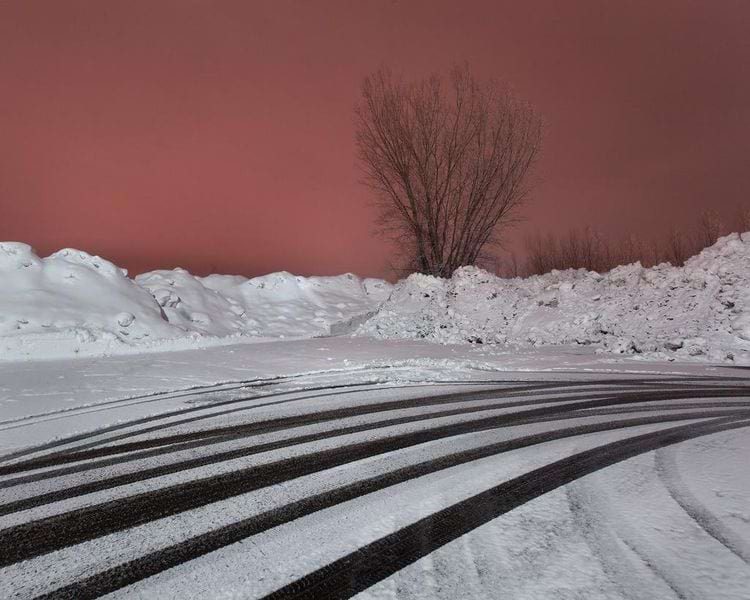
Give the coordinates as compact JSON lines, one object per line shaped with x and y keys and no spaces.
{"x":699,"y":310}
{"x":74,"y":303}
{"x":75,"y":296}
{"x":274,"y":305}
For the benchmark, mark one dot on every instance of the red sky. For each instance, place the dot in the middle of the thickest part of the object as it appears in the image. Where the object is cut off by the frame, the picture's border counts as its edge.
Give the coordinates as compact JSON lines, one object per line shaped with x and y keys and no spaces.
{"x":218,"y":136}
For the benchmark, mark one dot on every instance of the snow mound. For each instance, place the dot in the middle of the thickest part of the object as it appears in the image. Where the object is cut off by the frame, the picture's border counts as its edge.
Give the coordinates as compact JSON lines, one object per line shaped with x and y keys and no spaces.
{"x":699,"y":310}
{"x":189,"y":304}
{"x":71,"y":291}
{"x":73,"y":303}
{"x":286,"y":305}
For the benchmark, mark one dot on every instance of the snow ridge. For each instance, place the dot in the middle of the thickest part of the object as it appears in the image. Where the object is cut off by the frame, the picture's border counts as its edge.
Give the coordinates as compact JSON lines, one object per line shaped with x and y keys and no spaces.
{"x":73,"y":303}
{"x":701,"y":310}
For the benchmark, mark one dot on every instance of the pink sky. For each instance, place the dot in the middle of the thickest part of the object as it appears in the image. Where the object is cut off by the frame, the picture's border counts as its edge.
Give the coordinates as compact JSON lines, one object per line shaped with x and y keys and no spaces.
{"x":218,"y":136}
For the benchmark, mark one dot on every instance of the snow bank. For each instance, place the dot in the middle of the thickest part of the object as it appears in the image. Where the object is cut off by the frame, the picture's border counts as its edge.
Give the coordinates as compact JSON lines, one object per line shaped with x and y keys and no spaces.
{"x":286,"y":305}
{"x":699,"y":310}
{"x":278,"y":305}
{"x":72,"y":296}
{"x":190,"y":305}
{"x":74,"y":303}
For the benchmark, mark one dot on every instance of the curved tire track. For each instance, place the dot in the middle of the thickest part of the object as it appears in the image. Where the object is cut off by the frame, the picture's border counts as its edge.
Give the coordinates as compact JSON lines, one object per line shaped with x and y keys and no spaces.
{"x":128,"y":573}
{"x":713,"y":405}
{"x":667,"y":471}
{"x":184,"y":465}
{"x":371,"y":564}
{"x":220,"y":434}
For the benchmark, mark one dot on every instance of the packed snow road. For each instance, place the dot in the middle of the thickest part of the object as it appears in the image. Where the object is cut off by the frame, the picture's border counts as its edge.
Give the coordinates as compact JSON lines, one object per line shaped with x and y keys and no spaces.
{"x":335,"y":485}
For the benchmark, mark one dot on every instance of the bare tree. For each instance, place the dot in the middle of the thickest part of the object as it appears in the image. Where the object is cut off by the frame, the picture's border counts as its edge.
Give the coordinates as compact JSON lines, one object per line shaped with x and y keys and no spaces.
{"x":584,"y":248}
{"x":538,"y":260}
{"x":448,"y":159}
{"x":656,"y":251}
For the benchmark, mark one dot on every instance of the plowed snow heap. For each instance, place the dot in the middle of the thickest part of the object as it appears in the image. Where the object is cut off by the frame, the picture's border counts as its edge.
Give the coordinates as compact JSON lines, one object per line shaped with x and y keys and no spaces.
{"x":699,"y":310}
{"x":74,"y":303}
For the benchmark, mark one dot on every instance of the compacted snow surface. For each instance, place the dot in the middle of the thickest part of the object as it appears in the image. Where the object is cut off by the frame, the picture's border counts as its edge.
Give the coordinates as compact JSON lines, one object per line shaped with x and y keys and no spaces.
{"x":72,"y":303}
{"x":124,"y":475}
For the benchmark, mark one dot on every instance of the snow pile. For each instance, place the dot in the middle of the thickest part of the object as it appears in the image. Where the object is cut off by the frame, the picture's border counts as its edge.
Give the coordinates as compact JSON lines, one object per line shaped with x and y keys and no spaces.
{"x":73,"y":291}
{"x":74,"y":303}
{"x":190,"y":305}
{"x":699,"y":310}
{"x":278,"y":305}
{"x":286,"y":305}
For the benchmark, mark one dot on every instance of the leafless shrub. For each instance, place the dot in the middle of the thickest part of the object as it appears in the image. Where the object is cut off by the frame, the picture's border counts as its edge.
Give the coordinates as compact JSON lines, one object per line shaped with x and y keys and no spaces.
{"x":677,"y":247}
{"x":709,"y":228}
{"x":742,"y":219}
{"x":587,"y":249}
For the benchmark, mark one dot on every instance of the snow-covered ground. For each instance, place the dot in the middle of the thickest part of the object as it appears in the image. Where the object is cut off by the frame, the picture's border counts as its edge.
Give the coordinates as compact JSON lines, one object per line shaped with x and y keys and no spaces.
{"x":686,"y":536}
{"x":71,"y":303}
{"x":40,"y":400}
{"x":154,"y":453}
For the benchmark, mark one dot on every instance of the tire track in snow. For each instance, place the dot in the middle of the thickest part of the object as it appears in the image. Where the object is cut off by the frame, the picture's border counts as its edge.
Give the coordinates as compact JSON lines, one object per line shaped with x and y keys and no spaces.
{"x":212,"y":406}
{"x":258,"y":427}
{"x":158,"y":451}
{"x":216,"y":435}
{"x":669,"y":474}
{"x":184,"y":465}
{"x":128,"y":573}
{"x":374,"y":562}
{"x":161,"y":416}
{"x":90,"y":522}
{"x":258,"y":383}
{"x":615,"y":403}
{"x":72,"y":491}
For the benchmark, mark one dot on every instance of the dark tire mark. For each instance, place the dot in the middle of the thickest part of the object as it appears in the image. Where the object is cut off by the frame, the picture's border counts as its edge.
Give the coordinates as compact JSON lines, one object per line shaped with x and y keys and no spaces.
{"x":371,"y":564}
{"x":121,"y":458}
{"x":45,"y":535}
{"x":159,"y":471}
{"x":327,"y":394}
{"x":165,"y":415}
{"x":219,"y":434}
{"x":198,"y":391}
{"x":155,"y":562}
{"x":258,"y":426}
